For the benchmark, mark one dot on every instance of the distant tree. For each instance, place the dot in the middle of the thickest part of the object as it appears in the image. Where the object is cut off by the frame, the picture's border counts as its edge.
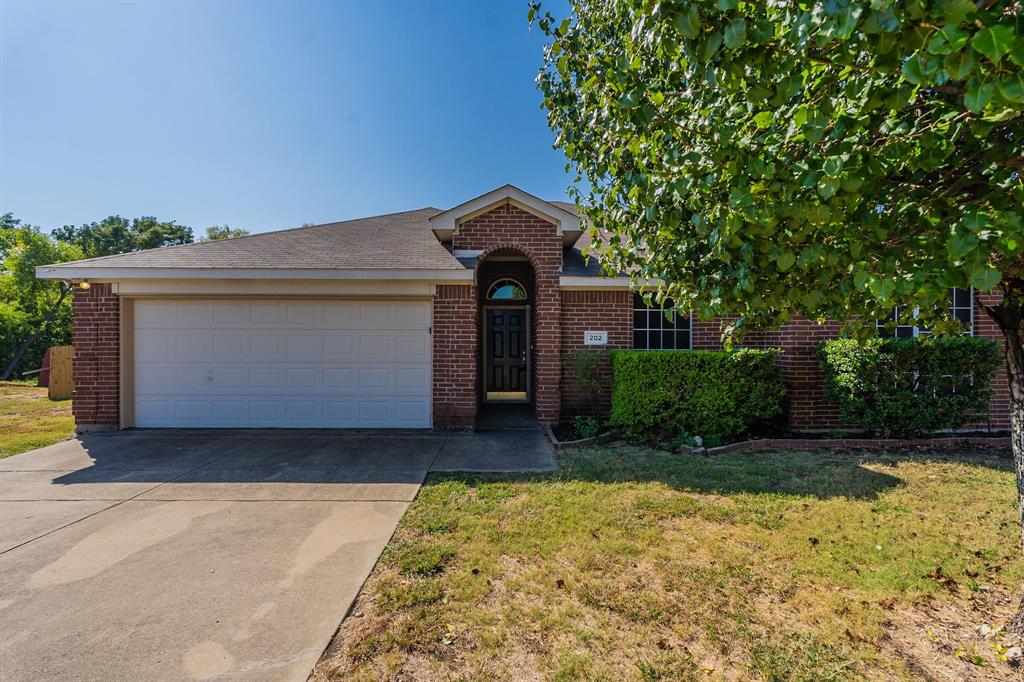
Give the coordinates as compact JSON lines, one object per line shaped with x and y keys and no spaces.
{"x":218,"y":232}
{"x":34,"y":314}
{"x":115,"y":234}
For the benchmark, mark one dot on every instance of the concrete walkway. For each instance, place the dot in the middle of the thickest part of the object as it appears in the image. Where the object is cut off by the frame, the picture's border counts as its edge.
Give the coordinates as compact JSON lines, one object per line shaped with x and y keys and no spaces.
{"x":206,"y":555}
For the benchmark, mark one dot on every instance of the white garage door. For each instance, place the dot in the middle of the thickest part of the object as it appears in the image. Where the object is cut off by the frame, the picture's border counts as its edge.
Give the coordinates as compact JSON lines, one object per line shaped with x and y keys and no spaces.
{"x":263,"y":363}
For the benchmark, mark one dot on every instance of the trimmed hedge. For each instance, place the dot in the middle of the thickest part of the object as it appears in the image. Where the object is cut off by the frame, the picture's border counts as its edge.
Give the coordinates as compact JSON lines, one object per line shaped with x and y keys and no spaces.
{"x":909,"y":387}
{"x":714,"y":394}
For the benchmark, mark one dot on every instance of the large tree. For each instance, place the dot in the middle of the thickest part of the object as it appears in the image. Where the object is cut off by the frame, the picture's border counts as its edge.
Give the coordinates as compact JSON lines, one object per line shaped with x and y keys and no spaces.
{"x":115,"y":234}
{"x":828,"y":159}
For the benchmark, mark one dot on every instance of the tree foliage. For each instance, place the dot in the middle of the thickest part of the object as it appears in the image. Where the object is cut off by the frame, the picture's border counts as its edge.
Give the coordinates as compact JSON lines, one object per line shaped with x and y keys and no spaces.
{"x":115,"y":234}
{"x":831,"y":159}
{"x":217,"y":232}
{"x":26,"y":302}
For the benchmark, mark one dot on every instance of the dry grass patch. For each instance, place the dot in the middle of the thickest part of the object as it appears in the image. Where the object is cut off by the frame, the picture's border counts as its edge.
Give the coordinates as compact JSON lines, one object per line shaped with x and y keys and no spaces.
{"x":29,"y":419}
{"x":635,"y":564}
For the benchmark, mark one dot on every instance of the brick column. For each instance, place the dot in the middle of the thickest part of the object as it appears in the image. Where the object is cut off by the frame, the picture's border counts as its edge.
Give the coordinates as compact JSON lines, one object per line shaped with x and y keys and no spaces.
{"x":808,"y":406}
{"x":455,"y":356}
{"x":97,"y":369}
{"x":548,"y":341}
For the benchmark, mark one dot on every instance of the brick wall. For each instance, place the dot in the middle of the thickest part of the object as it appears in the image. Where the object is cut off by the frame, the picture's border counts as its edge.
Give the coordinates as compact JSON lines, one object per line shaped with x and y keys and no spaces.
{"x":809,"y":409}
{"x":582,"y":311}
{"x":97,"y":341}
{"x":808,"y":406}
{"x":509,"y":229}
{"x":985,"y":326}
{"x":454,"y":329}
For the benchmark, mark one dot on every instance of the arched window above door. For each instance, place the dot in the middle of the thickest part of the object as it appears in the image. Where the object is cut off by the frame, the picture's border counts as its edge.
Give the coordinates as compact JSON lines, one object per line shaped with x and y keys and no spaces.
{"x":506,"y":290}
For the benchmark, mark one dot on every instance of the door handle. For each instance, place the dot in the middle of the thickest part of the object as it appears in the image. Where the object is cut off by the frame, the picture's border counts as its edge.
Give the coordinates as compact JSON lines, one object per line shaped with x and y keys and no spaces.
{"x":522,"y":359}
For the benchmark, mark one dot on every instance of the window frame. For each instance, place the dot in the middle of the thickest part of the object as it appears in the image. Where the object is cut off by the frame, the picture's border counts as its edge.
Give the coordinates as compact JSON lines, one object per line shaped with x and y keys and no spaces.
{"x":916,"y":331}
{"x":503,"y":281}
{"x":648,"y":329}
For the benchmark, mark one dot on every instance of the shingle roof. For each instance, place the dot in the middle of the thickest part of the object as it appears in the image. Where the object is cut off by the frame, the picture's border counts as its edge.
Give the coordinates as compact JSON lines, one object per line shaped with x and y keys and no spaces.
{"x":575,"y":259}
{"x":397,"y":240}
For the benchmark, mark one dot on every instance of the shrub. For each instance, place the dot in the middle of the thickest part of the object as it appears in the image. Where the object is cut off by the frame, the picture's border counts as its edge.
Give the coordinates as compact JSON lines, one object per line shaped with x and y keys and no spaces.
{"x":661,"y":395}
{"x":909,"y":387}
{"x":586,"y":365}
{"x":586,"y":427}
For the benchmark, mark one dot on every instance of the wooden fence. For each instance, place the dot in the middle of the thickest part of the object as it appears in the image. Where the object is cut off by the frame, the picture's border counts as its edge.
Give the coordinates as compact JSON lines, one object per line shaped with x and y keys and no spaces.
{"x":61,"y":383}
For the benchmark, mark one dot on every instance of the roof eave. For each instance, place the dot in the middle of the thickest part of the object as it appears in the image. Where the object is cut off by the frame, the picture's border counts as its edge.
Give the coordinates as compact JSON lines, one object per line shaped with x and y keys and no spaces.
{"x":111,"y":273}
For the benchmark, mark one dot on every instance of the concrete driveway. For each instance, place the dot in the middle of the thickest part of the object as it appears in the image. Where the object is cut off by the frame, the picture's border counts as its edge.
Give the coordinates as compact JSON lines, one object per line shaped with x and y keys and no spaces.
{"x":206,"y":555}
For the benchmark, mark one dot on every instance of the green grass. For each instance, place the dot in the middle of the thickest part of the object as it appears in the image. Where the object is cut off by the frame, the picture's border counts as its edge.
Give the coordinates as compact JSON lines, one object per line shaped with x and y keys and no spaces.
{"x":29,"y":420}
{"x":635,"y":564}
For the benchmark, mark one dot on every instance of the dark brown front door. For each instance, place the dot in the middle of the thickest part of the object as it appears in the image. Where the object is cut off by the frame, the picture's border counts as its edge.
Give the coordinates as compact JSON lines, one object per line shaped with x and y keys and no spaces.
{"x":507,"y":354}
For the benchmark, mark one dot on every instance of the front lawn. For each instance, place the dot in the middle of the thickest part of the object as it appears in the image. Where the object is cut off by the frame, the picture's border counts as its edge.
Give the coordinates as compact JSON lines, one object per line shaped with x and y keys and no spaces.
{"x":29,"y":419}
{"x":636,"y":564}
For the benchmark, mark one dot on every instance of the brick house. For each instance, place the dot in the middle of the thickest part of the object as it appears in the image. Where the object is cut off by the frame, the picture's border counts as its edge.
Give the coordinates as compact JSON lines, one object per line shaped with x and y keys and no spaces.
{"x":415,"y":319}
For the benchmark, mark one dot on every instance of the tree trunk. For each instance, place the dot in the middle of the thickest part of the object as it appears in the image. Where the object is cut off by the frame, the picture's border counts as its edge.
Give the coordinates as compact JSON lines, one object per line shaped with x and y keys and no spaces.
{"x":1010,"y":317}
{"x":34,"y":335}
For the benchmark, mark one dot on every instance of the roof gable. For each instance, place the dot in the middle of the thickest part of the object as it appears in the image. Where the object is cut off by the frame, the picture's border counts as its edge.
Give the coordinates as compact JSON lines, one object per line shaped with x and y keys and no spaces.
{"x":567,"y":225}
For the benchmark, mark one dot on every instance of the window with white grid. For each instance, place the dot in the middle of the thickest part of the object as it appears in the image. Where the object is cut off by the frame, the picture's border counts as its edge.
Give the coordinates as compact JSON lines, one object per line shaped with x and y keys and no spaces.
{"x":960,"y":307}
{"x":660,"y":328}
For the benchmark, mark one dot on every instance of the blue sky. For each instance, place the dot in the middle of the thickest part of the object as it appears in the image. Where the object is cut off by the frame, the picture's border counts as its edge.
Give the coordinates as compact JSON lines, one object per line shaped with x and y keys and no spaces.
{"x":266,"y":115}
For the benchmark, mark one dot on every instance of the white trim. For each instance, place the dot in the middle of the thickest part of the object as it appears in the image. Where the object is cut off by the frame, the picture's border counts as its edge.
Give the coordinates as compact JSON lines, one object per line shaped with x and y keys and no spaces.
{"x":582,"y":282}
{"x":444,"y":224}
{"x":468,"y":253}
{"x":97,"y":272}
{"x":250,"y":287}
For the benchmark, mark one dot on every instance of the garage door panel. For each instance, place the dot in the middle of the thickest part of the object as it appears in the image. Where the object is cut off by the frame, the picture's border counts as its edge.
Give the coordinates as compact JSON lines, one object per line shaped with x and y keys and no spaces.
{"x":302,"y":377}
{"x":265,"y":347}
{"x":266,"y":412}
{"x":412,"y":379}
{"x":196,"y":346}
{"x":276,"y":363}
{"x":411,"y":348}
{"x":412,"y":313}
{"x":340,"y":346}
{"x":304,"y":314}
{"x":228,"y":411}
{"x":194,"y":314}
{"x":410,"y":411}
{"x":376,"y":347}
{"x":374,"y":316}
{"x":225,"y":313}
{"x":341,"y":315}
{"x":271,"y":378}
{"x":339,"y":412}
{"x":302,"y":411}
{"x":266,"y":313}
{"x":153,"y":345}
{"x":340,"y":379}
{"x":230,"y":346}
{"x":226,"y":378}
